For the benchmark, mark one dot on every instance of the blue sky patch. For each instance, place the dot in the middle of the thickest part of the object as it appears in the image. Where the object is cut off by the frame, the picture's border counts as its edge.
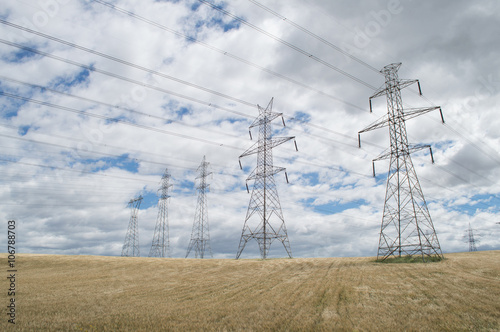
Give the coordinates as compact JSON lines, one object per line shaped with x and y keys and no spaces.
{"x":149,"y":199}
{"x":301,"y":116}
{"x":20,"y":56}
{"x":181,"y":112}
{"x":478,"y":203}
{"x":9,"y":107}
{"x":333,"y":207}
{"x":23,"y":130}
{"x":122,"y":162}
{"x":217,"y":20}
{"x":442,"y":145}
{"x":195,"y":6}
{"x":311,"y":178}
{"x":226,"y":26}
{"x":72,"y":80}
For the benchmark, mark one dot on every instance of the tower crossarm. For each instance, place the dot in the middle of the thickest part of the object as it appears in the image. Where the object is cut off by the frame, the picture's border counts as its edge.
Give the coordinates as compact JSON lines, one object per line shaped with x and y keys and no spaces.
{"x":414,"y":112}
{"x":203,"y":173}
{"x":270,"y":116}
{"x":417,"y":147}
{"x":411,"y":149}
{"x":380,"y":92}
{"x":136,"y":202}
{"x":401,"y":84}
{"x":270,"y":143}
{"x":407,"y":115}
{"x":380,"y":123}
{"x":255,"y":174}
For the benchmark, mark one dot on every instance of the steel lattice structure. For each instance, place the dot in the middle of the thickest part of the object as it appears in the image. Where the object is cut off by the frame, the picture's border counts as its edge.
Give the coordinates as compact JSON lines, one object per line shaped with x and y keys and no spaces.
{"x":200,"y":236}
{"x":407,"y":228}
{"x":264,"y":201}
{"x":470,"y":238}
{"x":160,"y":246}
{"x":131,"y":244}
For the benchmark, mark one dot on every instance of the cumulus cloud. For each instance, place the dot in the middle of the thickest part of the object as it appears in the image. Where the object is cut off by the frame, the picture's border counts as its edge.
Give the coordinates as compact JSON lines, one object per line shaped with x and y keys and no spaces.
{"x":70,"y":165}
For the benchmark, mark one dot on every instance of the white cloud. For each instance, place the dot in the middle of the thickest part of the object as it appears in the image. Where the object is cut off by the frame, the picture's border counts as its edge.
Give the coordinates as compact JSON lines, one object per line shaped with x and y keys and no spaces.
{"x":76,"y":203}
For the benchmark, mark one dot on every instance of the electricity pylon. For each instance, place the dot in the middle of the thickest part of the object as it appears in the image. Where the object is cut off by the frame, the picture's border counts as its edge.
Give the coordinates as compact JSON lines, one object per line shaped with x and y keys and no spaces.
{"x":469,"y":237}
{"x":407,"y":227}
{"x":160,"y":246}
{"x":264,"y":201}
{"x":131,"y":244}
{"x":200,"y":236}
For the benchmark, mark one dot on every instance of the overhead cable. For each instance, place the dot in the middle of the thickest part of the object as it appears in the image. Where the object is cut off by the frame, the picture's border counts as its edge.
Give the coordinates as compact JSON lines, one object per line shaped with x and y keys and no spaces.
{"x":296,"y":48}
{"x":335,"y":47}
{"x":228,"y":54}
{"x":150,"y":71}
{"x":72,"y":110}
{"x":123,"y":78}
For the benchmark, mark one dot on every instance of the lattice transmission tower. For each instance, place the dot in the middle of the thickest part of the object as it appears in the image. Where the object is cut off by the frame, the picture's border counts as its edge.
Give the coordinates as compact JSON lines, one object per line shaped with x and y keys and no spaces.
{"x":200,"y":236}
{"x":407,"y":228}
{"x":160,"y":246}
{"x":131,"y":244}
{"x":264,"y":201}
{"x":469,"y":237}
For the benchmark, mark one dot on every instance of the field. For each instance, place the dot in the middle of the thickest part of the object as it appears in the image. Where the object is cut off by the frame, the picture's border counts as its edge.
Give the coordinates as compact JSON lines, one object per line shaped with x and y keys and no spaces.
{"x":96,"y":293}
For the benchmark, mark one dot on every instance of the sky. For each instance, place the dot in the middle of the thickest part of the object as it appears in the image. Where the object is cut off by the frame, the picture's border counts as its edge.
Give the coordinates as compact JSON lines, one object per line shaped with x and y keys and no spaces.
{"x":98,"y":98}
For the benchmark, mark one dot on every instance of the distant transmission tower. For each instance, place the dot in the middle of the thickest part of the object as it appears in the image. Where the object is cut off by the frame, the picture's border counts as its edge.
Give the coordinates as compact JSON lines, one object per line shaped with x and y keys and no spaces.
{"x":160,"y":247}
{"x":131,"y":244}
{"x":407,"y":227}
{"x":264,"y":201}
{"x":200,"y":236}
{"x":469,"y":237}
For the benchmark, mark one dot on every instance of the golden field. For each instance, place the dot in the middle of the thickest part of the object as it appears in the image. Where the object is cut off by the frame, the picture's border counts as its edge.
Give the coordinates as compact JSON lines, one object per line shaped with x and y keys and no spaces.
{"x":97,"y":293}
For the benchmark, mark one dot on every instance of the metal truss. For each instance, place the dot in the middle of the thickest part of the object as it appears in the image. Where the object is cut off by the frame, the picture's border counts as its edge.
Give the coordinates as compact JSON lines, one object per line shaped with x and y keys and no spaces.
{"x":131,"y":244}
{"x":470,"y":239}
{"x":200,"y":236}
{"x":264,"y":202}
{"x":407,"y":228}
{"x":160,"y":246}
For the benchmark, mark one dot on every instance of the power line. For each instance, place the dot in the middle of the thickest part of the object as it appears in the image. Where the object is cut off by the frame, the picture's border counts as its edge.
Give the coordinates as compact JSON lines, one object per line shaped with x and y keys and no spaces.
{"x":123,"y":78}
{"x":127,"y":151}
{"x":94,"y":152}
{"x":225,"y":53}
{"x":336,"y":168}
{"x":147,"y":70}
{"x":335,"y":47}
{"x":296,"y":48}
{"x":459,"y":133}
{"x":135,"y":66}
{"x":489,"y":155}
{"x":43,"y":88}
{"x":74,"y":170}
{"x":72,"y":110}
{"x":124,"y":155}
{"x":92,"y":68}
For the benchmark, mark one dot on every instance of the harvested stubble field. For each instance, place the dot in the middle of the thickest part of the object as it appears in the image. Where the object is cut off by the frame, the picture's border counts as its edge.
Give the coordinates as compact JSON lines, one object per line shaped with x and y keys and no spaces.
{"x":95,"y":293}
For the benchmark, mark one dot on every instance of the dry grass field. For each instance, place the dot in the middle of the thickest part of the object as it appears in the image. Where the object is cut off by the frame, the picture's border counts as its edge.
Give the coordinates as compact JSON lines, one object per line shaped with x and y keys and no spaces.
{"x":95,"y":293}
